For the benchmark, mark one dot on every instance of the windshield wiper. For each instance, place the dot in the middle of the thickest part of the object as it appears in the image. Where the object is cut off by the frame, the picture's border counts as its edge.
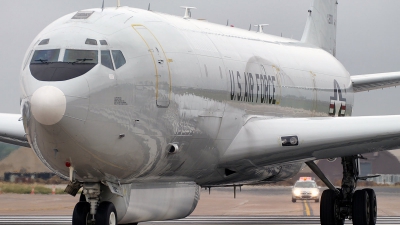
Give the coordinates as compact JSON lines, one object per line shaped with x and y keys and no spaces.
{"x":81,"y":60}
{"x":42,"y":61}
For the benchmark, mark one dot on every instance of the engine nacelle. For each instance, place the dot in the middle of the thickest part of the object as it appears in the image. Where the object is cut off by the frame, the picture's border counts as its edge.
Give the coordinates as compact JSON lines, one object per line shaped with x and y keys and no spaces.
{"x":161,"y":201}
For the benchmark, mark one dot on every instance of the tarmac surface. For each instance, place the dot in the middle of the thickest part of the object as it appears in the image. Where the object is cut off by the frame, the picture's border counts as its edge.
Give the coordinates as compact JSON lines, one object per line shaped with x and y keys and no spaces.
{"x":206,"y":220}
{"x":253,"y":205}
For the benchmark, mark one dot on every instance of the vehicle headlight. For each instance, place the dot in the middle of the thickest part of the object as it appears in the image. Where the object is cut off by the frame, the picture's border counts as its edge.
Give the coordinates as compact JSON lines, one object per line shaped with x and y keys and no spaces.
{"x":296,"y":192}
{"x":315,"y":192}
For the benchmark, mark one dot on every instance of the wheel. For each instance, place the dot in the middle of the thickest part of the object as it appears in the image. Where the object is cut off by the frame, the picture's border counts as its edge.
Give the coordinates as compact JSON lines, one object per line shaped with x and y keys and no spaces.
{"x":106,"y":214}
{"x":293,"y":200}
{"x":373,"y":206}
{"x":316,"y":200}
{"x":329,"y":209}
{"x":361,"y":208}
{"x":81,"y":213}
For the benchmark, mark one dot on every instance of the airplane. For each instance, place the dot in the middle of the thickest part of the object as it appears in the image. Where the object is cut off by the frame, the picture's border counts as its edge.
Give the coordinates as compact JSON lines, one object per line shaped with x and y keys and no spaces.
{"x":140,"y":109}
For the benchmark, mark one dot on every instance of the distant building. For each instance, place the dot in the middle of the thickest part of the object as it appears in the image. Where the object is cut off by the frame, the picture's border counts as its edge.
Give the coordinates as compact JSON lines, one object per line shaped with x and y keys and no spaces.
{"x":390,"y":179}
{"x":386,"y":163}
{"x":26,"y":177}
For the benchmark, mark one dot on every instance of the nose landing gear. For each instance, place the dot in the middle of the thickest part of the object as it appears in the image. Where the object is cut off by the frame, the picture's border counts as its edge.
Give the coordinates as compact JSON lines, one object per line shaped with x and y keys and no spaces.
{"x":346,"y":203}
{"x":90,"y":212}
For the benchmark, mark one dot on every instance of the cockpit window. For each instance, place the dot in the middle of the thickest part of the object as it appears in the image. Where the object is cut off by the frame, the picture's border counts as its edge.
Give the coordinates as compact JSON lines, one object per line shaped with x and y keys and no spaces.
{"x":103,"y":42}
{"x":91,"y":41}
{"x":46,"y":67}
{"x":119,"y":59}
{"x":106,"y":59}
{"x":45,"y":56}
{"x":44,"y":42}
{"x":81,"y":56}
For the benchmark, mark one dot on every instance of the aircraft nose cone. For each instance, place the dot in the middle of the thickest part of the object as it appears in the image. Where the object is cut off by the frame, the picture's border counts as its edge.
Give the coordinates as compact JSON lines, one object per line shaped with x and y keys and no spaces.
{"x":48,"y":105}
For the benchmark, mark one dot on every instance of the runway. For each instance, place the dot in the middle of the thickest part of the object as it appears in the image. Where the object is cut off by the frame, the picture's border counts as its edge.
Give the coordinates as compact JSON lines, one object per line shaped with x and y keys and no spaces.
{"x":198,"y":220}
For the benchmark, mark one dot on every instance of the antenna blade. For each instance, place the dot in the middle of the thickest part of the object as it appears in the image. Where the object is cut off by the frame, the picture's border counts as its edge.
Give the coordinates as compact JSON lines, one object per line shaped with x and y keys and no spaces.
{"x":227,"y":22}
{"x":148,"y":8}
{"x":250,"y":27}
{"x":102,"y":6}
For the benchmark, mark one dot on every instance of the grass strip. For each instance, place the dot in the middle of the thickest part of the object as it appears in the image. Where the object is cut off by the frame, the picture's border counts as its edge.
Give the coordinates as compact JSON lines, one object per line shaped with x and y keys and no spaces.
{"x":17,"y":188}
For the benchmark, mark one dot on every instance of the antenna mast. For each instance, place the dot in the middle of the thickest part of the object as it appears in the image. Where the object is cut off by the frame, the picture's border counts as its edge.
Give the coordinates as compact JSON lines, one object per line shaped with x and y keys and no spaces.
{"x":188,"y":13}
{"x":260,"y":27}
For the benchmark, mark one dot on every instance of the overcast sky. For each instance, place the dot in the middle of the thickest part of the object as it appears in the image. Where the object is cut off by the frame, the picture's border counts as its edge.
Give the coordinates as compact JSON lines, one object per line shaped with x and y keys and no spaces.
{"x":367,"y":38}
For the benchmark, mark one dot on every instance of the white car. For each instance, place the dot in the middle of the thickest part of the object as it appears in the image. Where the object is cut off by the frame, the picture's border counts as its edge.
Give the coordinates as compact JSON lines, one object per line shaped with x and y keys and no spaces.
{"x":305,"y":190}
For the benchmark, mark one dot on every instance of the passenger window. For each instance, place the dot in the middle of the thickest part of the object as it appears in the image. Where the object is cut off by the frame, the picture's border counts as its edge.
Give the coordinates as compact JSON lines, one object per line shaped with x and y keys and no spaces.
{"x":119,"y":59}
{"x":106,"y":59}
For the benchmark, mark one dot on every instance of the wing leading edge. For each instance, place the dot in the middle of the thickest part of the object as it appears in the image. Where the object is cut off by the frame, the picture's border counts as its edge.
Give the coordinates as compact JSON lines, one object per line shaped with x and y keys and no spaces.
{"x":12,"y":130}
{"x":369,"y":82}
{"x":259,"y":140}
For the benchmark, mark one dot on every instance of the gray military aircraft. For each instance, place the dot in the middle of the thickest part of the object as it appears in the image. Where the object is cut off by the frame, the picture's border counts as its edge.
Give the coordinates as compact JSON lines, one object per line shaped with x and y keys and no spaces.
{"x":141,"y":109}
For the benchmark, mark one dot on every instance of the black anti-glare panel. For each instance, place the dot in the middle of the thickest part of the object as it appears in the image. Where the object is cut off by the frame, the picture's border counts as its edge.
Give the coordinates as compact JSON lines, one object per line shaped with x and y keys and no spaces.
{"x":59,"y":71}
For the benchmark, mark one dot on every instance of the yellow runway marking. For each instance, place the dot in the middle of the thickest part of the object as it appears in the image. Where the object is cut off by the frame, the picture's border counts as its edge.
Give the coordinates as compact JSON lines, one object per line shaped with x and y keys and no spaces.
{"x":308,"y":213}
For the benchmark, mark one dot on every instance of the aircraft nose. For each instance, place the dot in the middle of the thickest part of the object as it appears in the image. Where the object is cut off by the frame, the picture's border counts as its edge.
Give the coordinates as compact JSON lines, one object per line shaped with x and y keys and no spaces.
{"x":48,"y":104}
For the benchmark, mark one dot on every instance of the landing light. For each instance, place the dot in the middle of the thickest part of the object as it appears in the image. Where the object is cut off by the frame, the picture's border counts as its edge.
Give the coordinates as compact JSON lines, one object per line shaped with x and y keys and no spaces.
{"x":290,"y":140}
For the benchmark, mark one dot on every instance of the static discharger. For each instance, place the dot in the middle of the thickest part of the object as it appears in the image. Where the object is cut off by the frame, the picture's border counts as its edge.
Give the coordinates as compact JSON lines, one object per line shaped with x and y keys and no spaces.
{"x":260,"y":27}
{"x":188,"y":13}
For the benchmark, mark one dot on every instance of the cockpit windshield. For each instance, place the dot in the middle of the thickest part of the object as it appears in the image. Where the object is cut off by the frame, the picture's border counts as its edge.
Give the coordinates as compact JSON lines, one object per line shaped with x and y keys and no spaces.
{"x":45,"y":56}
{"x":46,"y":66}
{"x":81,"y":56}
{"x":52,"y":65}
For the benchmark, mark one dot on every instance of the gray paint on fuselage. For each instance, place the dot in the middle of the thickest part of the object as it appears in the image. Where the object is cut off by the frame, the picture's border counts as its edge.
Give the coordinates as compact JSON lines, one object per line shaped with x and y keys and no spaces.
{"x":202,"y":118}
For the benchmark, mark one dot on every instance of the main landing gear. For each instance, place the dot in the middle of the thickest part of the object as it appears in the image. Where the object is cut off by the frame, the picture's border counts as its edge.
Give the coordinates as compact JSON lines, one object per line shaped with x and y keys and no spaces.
{"x":338,"y":204}
{"x":88,"y":211}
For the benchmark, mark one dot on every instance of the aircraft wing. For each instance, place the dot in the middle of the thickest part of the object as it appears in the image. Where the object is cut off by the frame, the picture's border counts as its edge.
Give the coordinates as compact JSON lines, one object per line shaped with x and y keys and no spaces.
{"x":12,"y":130}
{"x":260,"y":140}
{"x":375,"y":81}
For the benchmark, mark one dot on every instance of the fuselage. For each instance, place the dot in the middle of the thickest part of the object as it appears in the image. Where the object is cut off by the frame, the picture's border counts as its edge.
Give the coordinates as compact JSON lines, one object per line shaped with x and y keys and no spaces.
{"x":111,"y":91}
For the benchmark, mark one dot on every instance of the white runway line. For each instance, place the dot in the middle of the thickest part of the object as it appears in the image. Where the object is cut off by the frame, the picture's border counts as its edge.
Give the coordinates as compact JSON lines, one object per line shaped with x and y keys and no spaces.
{"x":192,"y":220}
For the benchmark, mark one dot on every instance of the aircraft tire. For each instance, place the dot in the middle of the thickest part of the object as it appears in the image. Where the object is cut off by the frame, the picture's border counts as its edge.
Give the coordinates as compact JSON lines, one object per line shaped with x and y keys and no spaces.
{"x":293,"y":200}
{"x":361,"y":208}
{"x":328,"y":215}
{"x":81,"y":213}
{"x":106,"y":214}
{"x":373,"y":206}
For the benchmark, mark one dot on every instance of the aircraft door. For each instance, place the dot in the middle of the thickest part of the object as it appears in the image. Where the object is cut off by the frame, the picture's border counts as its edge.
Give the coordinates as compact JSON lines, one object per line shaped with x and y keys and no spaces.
{"x":161,"y":65}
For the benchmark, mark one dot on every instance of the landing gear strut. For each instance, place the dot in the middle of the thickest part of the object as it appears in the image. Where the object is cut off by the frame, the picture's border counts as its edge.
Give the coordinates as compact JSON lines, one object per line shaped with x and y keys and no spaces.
{"x":90,"y":211}
{"x":345,"y":202}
